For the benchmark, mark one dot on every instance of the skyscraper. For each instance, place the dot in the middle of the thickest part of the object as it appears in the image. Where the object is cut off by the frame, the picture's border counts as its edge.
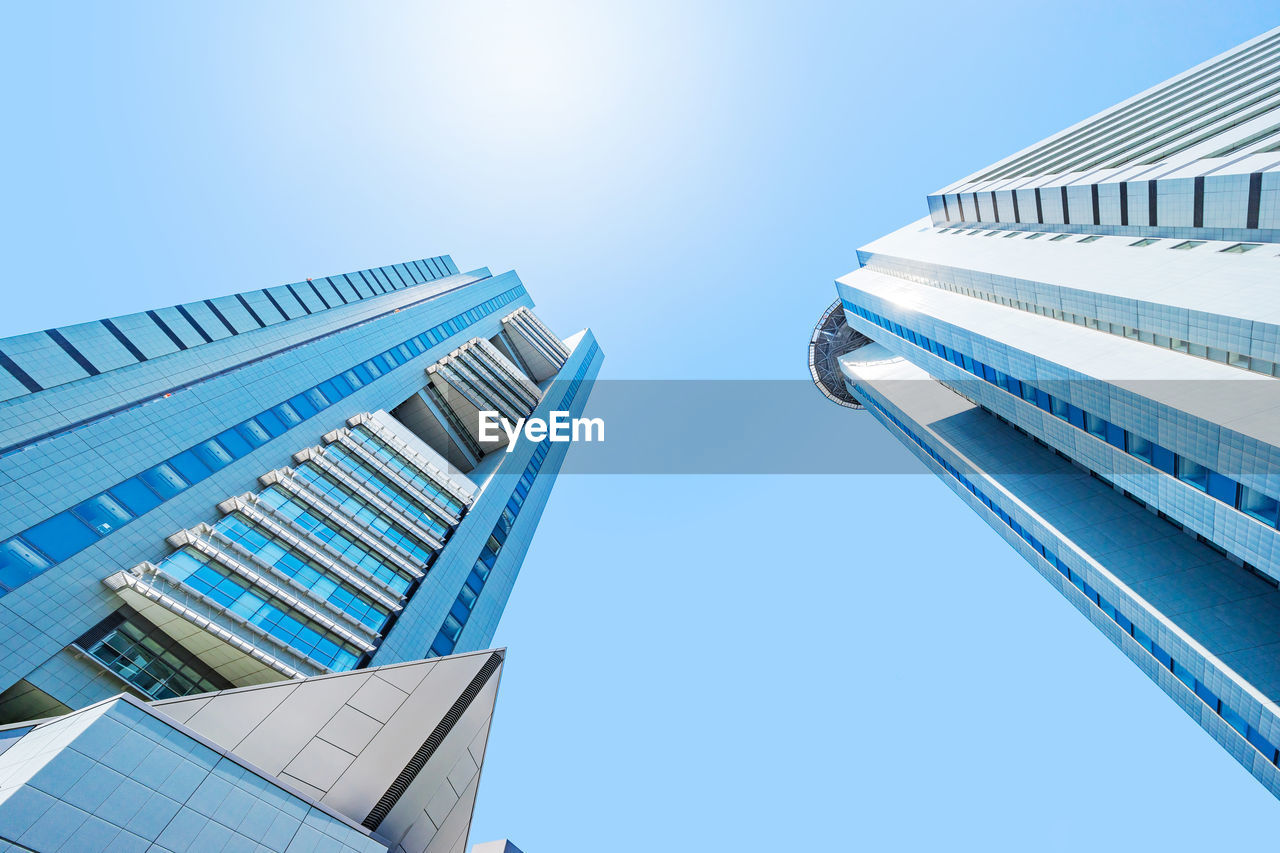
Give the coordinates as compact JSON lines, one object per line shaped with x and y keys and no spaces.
{"x":280,"y":485}
{"x":1082,"y":341}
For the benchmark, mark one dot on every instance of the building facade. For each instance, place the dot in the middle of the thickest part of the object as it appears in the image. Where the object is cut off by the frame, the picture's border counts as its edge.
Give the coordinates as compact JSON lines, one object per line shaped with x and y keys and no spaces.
{"x":270,"y":488}
{"x":365,"y":761}
{"x":1082,"y":341}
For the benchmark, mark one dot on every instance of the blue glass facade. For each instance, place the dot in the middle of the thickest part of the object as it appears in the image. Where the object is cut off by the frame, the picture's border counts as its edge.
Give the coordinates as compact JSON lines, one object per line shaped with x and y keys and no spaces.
{"x":336,"y":530}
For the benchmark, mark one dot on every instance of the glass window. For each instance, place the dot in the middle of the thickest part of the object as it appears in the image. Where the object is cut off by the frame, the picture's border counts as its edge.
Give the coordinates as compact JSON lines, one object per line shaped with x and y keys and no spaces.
{"x":1240,"y":248}
{"x":1209,"y":697}
{"x":1059,"y":237}
{"x":103,"y":514}
{"x":1162,"y":458}
{"x":60,"y":537}
{"x":1034,"y":236}
{"x":1161,"y":655}
{"x":287,"y":415}
{"x":1095,"y":425}
{"x":135,"y":496}
{"x":271,"y":423}
{"x":303,"y":406}
{"x":252,"y":432}
{"x":212,"y":454}
{"x":234,"y":442}
{"x":191,"y":468}
{"x":1185,"y":676}
{"x":1115,"y":436}
{"x":1189,"y":244}
{"x":1147,"y":241}
{"x":1075,"y":416}
{"x":1262,"y":507}
{"x":1233,"y":719}
{"x":1090,"y":239}
{"x":19,"y":563}
{"x":1193,"y":473}
{"x":1222,"y":488}
{"x":1141,"y":448}
{"x":164,"y":480}
{"x":1262,"y":744}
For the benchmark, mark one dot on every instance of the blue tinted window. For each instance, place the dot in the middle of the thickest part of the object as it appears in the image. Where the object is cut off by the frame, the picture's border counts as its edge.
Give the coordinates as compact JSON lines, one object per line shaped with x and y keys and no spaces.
{"x":442,"y":645}
{"x":1206,"y":694}
{"x":1263,"y":745}
{"x":287,"y":415}
{"x":1162,"y":458}
{"x":163,"y":480}
{"x":1095,"y":425}
{"x":1141,"y":448}
{"x":213,"y":454}
{"x":1075,"y":416}
{"x":103,"y":514}
{"x":60,"y":537}
{"x":1258,"y":505}
{"x":19,"y":563}
{"x":252,"y":432}
{"x":135,"y":496}
{"x":1222,"y":488}
{"x":191,"y":468}
{"x":1193,"y":473}
{"x":1233,"y":719}
{"x":272,"y":424}
{"x":235,"y":443}
{"x":304,"y":407}
{"x":1184,"y":675}
{"x":1115,"y":436}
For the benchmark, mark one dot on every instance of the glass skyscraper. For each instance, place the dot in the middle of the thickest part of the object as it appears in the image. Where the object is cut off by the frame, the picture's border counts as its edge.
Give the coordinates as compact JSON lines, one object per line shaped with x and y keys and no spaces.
{"x":281,"y":487}
{"x":1082,"y":341}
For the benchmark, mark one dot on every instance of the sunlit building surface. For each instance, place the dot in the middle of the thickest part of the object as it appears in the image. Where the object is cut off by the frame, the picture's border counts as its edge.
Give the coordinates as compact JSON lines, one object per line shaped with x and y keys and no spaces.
{"x":1082,"y":341}
{"x":250,"y":493}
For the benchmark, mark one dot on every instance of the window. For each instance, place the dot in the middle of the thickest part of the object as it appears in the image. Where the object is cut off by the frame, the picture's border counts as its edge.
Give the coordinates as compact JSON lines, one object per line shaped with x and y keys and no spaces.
{"x":1090,"y":239}
{"x":1193,"y":473}
{"x":1146,"y":241}
{"x":60,"y":537}
{"x":1240,"y":248}
{"x":1189,"y":244}
{"x":1141,"y":448}
{"x":1011,"y":234}
{"x":1059,"y":237}
{"x":1034,"y":236}
{"x":1260,"y":506}
{"x":103,"y":514}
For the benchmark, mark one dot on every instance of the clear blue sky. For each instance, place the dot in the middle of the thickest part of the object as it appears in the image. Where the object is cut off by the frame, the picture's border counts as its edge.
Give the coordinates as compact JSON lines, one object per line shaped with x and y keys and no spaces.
{"x":697,"y":663}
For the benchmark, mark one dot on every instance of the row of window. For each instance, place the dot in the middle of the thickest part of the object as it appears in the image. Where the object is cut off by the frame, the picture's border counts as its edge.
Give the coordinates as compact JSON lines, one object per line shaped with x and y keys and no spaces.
{"x":393,"y":459}
{"x":1254,"y":503}
{"x":293,"y":564}
{"x":289,"y":508}
{"x":410,"y":273}
{"x":354,"y":506}
{"x":259,"y":607}
{"x":44,"y":545}
{"x":411,"y":505}
{"x":151,"y":660}
{"x":1221,"y":356}
{"x":1234,"y":249}
{"x":447,"y":638}
{"x":1232,"y":718}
